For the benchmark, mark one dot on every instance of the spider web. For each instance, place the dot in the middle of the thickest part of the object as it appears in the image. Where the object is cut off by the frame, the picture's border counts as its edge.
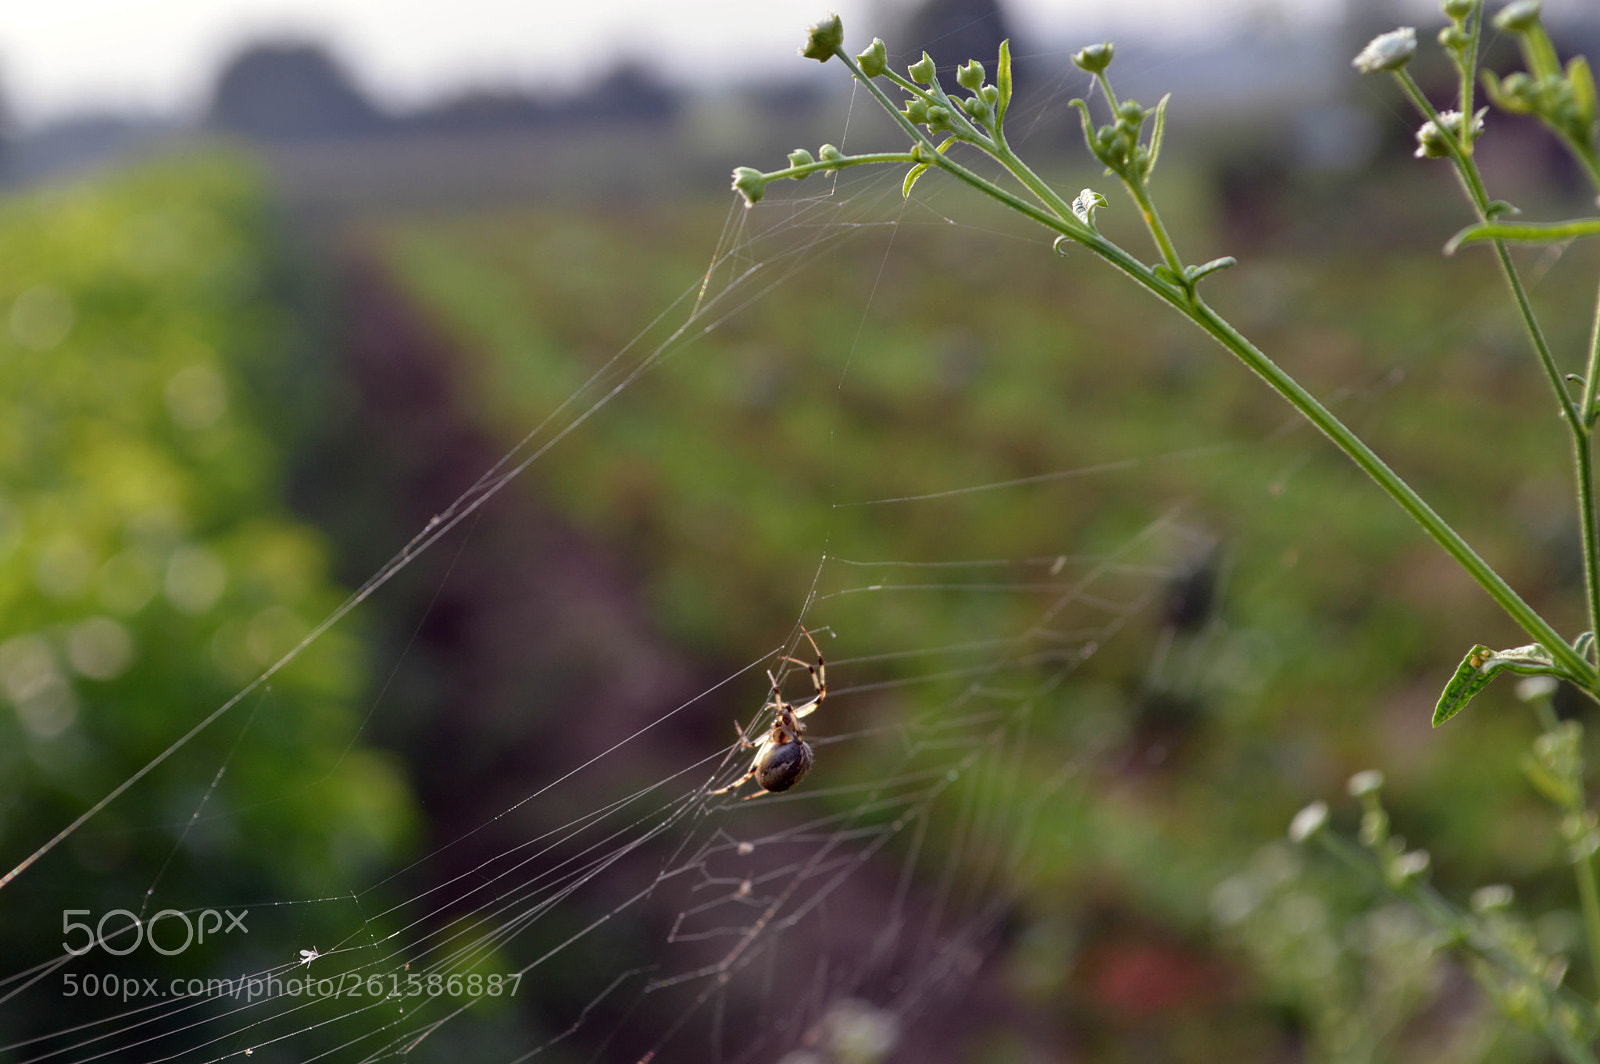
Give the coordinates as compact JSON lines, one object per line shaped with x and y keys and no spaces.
{"x":981,"y":695}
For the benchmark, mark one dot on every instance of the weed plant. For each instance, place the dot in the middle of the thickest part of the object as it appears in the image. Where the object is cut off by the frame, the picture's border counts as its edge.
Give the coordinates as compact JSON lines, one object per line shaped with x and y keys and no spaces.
{"x":1516,"y":967}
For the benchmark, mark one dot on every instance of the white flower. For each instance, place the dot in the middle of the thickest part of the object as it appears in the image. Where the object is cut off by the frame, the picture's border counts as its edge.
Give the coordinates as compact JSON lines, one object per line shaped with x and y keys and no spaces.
{"x":1387,"y":51}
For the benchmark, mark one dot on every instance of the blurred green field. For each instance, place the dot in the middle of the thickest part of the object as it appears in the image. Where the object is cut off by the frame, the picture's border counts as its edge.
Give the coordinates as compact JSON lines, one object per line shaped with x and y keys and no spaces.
{"x":929,"y":357}
{"x":174,"y":375}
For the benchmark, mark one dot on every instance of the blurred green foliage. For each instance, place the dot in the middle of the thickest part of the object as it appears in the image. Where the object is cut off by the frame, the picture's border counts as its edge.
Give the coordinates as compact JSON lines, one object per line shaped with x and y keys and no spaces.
{"x":150,"y":570}
{"x":928,"y":357}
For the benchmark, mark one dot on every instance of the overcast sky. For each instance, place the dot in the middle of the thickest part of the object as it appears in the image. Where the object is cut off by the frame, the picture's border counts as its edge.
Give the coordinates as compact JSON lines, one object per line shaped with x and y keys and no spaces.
{"x":161,"y":56}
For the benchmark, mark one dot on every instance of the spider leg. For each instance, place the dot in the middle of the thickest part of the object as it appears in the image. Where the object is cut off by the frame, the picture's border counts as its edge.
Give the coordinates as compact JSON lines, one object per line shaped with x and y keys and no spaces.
{"x":786,"y":725}
{"x":755,"y":762}
{"x":819,"y":675}
{"x":736,"y":784}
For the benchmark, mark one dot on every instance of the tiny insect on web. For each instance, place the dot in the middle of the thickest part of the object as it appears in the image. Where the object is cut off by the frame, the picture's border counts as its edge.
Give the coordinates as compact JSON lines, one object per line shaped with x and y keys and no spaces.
{"x":783,"y":756}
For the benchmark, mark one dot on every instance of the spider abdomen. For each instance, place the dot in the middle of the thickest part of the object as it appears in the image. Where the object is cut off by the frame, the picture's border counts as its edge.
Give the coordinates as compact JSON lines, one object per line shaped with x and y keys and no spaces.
{"x":784,"y":765}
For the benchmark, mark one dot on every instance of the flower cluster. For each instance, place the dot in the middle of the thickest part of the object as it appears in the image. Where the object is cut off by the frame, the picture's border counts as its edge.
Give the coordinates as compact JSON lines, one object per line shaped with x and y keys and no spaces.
{"x":1562,"y":98}
{"x":975,"y":118}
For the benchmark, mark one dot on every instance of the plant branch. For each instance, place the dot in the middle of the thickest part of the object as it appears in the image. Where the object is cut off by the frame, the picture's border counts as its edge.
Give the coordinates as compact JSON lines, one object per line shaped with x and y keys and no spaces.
{"x":1057,"y":217}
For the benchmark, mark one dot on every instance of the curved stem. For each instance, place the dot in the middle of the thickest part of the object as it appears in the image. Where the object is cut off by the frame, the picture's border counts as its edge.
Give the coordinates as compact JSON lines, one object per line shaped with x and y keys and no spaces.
{"x":1413,"y":504}
{"x":1158,"y":229}
{"x":1186,"y":302}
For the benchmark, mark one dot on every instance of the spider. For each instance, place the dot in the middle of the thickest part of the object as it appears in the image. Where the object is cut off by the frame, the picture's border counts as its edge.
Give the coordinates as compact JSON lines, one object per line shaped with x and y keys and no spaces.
{"x":782,"y":756}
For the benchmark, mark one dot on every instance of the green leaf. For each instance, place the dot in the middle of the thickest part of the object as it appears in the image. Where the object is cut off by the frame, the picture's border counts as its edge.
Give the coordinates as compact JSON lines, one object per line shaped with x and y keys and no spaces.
{"x":1002,"y":80}
{"x":1525,"y":232}
{"x":1481,"y":665}
{"x":911,"y":179}
{"x":1088,"y":125}
{"x":1194,"y":273}
{"x":1494,"y":88}
{"x":918,"y":170}
{"x":1157,"y":132}
{"x":1581,"y":81}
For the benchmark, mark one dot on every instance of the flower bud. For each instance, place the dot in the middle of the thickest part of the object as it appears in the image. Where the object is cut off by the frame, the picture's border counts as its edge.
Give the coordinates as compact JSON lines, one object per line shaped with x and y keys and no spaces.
{"x":800,"y":157}
{"x":1494,"y":898}
{"x":990,"y":94}
{"x":1308,"y":821}
{"x":916,"y":111}
{"x":874,"y":59}
{"x":976,"y":109}
{"x":923,"y":70}
{"x":829,"y":154}
{"x":1364,"y":783}
{"x":1435,"y":137}
{"x":749,"y":183}
{"x":1518,"y":94}
{"x":1387,"y":51}
{"x":1412,"y":864}
{"x":1095,"y":58}
{"x":825,"y":38}
{"x":1454,"y":39}
{"x":970,"y":75}
{"x":1130,"y":111}
{"x":1456,"y":10}
{"x":1518,"y":17}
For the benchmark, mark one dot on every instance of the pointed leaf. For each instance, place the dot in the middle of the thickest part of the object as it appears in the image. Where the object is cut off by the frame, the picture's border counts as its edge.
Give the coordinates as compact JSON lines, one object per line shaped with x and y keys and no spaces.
{"x":1088,"y":125}
{"x":1481,"y":665}
{"x":912,"y":177}
{"x":916,"y":172}
{"x":1525,"y":232}
{"x":1002,"y":80}
{"x":1581,"y":82}
{"x":1194,"y":273}
{"x":1495,"y":90}
{"x":1157,"y":131}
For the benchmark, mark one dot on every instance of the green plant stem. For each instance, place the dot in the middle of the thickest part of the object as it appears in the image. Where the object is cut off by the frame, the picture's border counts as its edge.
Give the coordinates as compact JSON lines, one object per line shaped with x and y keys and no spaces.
{"x":1588,"y":159}
{"x":1583,"y":461}
{"x":1030,"y":180}
{"x":1577,"y":416}
{"x":1591,"y":372}
{"x":828,"y":166}
{"x":1472,"y":182}
{"x":1152,"y":222}
{"x":1579,"y":427}
{"x":1401,"y":492}
{"x":1468,"y":71}
{"x":1059,"y":219}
